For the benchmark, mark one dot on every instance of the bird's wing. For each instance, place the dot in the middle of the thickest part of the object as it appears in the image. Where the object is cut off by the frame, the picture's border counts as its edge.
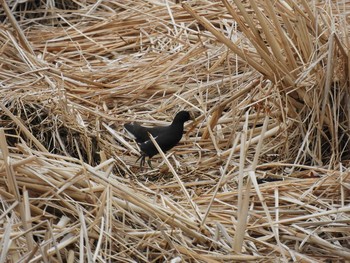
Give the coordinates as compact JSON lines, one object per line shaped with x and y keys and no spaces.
{"x":137,"y":132}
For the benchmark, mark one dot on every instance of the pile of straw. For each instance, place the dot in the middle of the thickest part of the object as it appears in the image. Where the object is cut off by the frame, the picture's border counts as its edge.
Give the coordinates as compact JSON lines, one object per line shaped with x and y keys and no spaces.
{"x":261,"y":174}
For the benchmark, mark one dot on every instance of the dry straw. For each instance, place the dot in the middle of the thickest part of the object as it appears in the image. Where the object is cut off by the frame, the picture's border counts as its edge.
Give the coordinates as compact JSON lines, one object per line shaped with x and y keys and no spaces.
{"x":260,"y":176}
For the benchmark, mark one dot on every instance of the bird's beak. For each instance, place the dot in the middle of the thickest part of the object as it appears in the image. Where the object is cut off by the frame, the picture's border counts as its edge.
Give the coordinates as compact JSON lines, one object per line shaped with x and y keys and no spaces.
{"x":193,"y":123}
{"x":192,"y":116}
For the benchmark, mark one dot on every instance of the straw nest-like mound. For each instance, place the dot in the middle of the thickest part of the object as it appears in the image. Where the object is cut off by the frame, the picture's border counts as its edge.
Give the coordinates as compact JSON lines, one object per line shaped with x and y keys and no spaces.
{"x":261,"y":174}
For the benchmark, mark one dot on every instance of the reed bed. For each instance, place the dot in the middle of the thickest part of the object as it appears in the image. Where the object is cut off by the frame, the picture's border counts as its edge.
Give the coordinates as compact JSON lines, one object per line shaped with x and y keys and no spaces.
{"x":260,"y":176}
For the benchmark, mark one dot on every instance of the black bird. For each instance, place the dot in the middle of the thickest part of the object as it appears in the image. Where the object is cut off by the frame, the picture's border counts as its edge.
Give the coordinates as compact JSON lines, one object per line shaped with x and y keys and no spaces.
{"x":166,"y":136}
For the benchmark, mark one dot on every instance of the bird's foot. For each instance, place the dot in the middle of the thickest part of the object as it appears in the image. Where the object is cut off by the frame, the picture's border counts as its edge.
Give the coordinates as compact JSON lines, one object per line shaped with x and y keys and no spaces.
{"x":149,"y":163}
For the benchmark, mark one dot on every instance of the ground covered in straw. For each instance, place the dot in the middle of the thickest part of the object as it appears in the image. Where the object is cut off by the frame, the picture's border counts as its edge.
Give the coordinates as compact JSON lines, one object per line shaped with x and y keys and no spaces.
{"x":261,"y":174}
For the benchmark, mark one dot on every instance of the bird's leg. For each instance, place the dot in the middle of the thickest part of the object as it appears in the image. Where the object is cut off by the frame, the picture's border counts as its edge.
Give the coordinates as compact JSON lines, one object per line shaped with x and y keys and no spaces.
{"x":139,"y":158}
{"x":142,"y":161}
{"x":149,"y":163}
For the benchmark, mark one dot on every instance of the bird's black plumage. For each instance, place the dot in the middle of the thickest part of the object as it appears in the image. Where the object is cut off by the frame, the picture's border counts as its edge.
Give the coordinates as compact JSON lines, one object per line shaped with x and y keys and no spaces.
{"x":166,"y":137}
{"x":140,"y":133}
